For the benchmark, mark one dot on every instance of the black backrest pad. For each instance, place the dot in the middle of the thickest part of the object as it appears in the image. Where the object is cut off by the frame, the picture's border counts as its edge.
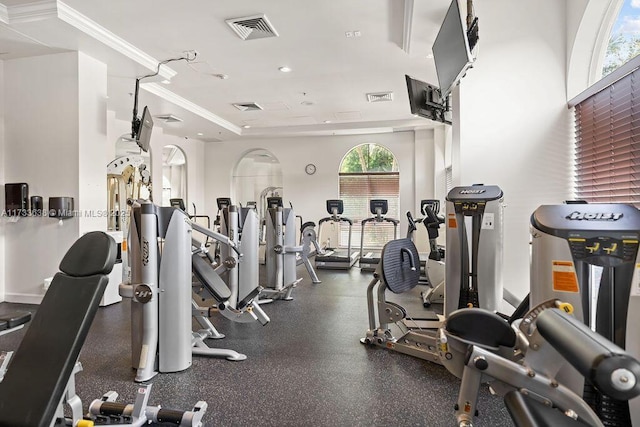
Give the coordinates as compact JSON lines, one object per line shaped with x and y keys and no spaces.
{"x":396,"y":265}
{"x":93,"y":253}
{"x":206,"y":275}
{"x":481,"y":326}
{"x":42,"y":365}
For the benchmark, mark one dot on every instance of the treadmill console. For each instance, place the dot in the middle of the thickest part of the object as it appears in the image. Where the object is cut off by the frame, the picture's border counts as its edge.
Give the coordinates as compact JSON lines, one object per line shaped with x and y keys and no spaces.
{"x":335,"y":207}
{"x":379,"y":206}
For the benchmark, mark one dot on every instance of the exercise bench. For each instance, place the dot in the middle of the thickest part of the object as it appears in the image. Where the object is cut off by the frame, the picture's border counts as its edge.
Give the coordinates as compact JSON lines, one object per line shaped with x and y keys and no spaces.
{"x":42,"y":372}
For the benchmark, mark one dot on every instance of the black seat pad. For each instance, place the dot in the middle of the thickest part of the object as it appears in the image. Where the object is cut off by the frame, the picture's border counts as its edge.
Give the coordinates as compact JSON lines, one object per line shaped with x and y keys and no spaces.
{"x":16,"y":318}
{"x":480,"y":327}
{"x":206,"y":275}
{"x":527,"y":412}
{"x":396,"y":265}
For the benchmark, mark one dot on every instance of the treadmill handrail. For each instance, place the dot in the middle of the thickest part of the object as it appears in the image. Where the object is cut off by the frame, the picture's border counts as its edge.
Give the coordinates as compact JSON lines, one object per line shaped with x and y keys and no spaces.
{"x":364,"y":222}
{"x":383,"y":219}
{"x":339,"y":219}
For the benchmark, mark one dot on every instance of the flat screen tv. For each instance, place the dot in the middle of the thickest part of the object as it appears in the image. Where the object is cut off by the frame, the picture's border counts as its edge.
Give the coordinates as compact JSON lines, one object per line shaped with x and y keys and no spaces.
{"x":451,"y":52}
{"x":425,"y":101}
{"x":143,"y":136}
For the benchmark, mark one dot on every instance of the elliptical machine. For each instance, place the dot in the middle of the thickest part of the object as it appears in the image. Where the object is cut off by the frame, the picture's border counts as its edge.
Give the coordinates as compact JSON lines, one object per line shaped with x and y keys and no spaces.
{"x":435,"y":266}
{"x":379,"y":208}
{"x":587,"y":255}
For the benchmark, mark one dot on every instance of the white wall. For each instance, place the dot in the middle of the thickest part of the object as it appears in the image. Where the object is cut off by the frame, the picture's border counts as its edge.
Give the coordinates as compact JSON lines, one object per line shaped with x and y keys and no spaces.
{"x":92,"y":144}
{"x":55,"y":130}
{"x":41,"y":136}
{"x":309,"y":193}
{"x":513,"y":126}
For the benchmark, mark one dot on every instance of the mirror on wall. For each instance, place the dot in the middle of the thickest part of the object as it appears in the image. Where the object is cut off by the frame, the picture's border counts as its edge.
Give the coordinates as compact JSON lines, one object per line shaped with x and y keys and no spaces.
{"x":257,"y":175}
{"x":128,"y":177}
{"x":174,"y":174}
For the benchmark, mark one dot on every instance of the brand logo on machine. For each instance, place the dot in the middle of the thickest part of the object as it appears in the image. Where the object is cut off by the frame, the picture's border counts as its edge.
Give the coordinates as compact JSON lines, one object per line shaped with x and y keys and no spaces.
{"x":471,"y":191}
{"x":594,"y":216}
{"x":145,"y":252}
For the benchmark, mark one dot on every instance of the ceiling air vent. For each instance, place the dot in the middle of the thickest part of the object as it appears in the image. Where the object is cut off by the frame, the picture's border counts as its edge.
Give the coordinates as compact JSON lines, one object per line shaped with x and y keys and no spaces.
{"x":169,"y":118}
{"x":252,"y":27}
{"x":380,"y":96}
{"x":247,"y":106}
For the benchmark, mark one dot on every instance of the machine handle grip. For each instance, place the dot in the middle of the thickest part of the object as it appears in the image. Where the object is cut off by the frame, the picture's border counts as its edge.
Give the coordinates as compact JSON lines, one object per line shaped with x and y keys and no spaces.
{"x":614,"y":371}
{"x":412,"y":261}
{"x":412,"y":223}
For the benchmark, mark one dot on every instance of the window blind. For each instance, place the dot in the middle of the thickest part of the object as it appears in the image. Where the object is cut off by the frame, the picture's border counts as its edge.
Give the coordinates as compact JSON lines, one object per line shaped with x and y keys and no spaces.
{"x":356,"y":190}
{"x":608,"y":143}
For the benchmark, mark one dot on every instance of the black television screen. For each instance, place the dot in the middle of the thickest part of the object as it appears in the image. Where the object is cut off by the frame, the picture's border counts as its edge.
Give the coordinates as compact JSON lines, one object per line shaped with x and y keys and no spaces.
{"x":425,"y":101}
{"x":451,"y":52}
{"x":143,"y":135}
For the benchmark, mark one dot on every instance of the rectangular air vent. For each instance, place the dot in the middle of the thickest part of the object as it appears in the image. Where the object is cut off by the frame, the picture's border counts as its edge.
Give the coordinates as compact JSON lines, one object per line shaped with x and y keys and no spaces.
{"x":380,"y":96}
{"x":168,"y":118}
{"x":247,"y":106}
{"x":252,"y":27}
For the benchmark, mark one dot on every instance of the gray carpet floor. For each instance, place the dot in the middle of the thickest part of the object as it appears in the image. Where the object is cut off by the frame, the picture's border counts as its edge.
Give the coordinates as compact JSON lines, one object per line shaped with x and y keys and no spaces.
{"x":306,"y":367}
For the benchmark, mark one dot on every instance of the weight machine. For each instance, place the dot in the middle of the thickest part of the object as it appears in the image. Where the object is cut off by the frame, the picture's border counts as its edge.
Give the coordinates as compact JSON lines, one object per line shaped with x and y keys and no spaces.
{"x":587,"y":255}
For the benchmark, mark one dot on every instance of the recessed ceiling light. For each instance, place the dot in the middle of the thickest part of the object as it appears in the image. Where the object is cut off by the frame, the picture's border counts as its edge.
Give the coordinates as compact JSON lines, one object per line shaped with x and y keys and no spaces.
{"x":166,"y":82}
{"x":200,"y":134}
{"x":327,"y":121}
{"x":430,"y":56}
{"x":246,"y":126}
{"x":285,"y":69}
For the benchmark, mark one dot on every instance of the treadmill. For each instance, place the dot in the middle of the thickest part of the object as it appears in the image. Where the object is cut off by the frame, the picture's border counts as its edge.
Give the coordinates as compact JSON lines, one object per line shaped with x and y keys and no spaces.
{"x":332,"y":258}
{"x":379,"y":208}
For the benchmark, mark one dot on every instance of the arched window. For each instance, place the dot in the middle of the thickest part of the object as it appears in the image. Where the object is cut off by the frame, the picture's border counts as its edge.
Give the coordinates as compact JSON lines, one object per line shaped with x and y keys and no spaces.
{"x":369,"y":171}
{"x":624,"y":40}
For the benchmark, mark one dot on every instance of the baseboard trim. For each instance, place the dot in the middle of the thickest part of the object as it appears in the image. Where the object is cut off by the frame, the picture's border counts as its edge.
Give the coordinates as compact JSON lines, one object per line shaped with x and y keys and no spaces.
{"x":23,"y":298}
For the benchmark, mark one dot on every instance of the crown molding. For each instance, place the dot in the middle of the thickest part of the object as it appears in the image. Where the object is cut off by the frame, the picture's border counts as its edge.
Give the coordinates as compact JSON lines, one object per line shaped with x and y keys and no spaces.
{"x":4,"y":14}
{"x":31,"y":12}
{"x":47,"y":9}
{"x":169,"y":96}
{"x":98,"y":32}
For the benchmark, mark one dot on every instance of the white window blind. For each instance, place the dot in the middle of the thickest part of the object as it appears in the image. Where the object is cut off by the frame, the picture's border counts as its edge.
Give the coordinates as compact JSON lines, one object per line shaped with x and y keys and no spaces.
{"x":356,"y":190}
